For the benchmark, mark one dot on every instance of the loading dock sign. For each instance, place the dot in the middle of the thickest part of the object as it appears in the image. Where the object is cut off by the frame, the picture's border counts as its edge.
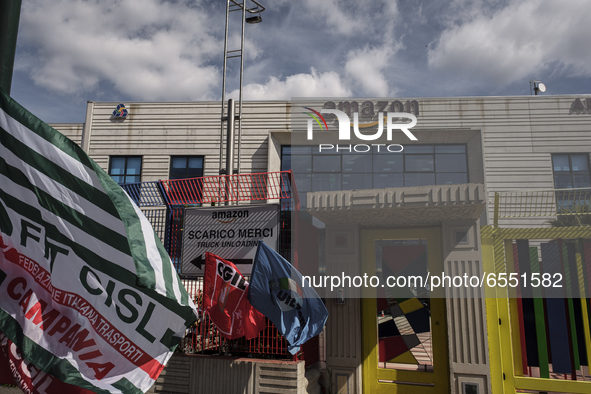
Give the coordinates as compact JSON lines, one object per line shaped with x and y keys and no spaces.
{"x":233,"y":233}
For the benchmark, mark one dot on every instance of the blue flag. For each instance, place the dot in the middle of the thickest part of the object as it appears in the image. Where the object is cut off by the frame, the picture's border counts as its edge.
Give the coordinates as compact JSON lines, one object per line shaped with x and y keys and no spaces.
{"x":277,"y":291}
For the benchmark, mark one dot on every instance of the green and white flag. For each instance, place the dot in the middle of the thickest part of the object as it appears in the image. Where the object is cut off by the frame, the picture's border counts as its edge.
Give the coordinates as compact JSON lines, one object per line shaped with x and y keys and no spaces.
{"x":88,"y":294}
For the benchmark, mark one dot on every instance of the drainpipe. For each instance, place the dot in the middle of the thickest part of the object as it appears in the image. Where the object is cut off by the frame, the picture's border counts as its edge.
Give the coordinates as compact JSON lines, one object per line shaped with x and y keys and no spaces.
{"x":230,"y":147}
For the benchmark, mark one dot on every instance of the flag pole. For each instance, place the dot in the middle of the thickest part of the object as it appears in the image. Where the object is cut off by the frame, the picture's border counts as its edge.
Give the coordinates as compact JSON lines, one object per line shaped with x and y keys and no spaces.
{"x":9,"y":17}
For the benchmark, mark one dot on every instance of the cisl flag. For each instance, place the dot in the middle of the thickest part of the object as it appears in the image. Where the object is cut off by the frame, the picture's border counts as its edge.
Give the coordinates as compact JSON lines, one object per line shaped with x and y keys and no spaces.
{"x":225,"y":300}
{"x":88,"y":295}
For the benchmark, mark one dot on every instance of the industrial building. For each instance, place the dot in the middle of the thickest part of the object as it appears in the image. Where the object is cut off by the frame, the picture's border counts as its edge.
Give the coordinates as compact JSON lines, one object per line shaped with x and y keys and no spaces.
{"x":484,"y":173}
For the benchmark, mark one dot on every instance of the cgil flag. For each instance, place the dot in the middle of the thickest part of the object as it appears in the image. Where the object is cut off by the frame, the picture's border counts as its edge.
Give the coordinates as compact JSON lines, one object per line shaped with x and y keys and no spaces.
{"x":225,"y":300}
{"x":277,"y":290}
{"x":88,"y":294}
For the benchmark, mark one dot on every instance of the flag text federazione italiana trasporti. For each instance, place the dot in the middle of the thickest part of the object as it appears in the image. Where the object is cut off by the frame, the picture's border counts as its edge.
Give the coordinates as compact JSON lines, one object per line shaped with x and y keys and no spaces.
{"x":88,"y":294}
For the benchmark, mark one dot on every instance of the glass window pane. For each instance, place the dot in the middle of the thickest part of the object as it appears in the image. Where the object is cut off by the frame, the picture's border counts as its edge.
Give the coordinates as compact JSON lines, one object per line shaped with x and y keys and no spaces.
{"x":418,"y":149}
{"x":194,"y":173}
{"x":560,"y":163}
{"x":301,"y":163}
{"x":300,"y":150}
{"x":562,"y":182}
{"x":176,"y":173}
{"x":132,"y":179}
{"x":327,"y":163}
{"x":118,"y":178}
{"x":357,"y":163}
{"x":179,"y":162}
{"x":450,"y":162}
{"x":134,"y":165}
{"x":451,"y":178}
{"x":579,"y":163}
{"x":356,"y":181}
{"x":303,"y":182}
{"x":581,"y":180}
{"x":285,"y":162}
{"x":117,"y":165}
{"x":418,"y":179}
{"x":182,"y":167}
{"x":418,"y":162}
{"x":195,"y":162}
{"x":450,"y":149}
{"x":326,"y":182}
{"x":382,"y":181}
{"x":388,"y":163}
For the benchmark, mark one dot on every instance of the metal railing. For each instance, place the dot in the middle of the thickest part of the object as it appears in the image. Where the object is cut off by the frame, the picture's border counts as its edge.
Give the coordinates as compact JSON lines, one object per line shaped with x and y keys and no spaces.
{"x":146,"y":194}
{"x":163,"y":203}
{"x":230,"y":188}
{"x":542,"y":203}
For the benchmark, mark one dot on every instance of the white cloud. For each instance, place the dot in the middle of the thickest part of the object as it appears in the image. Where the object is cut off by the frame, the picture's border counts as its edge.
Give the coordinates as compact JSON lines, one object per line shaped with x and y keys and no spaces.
{"x":147,"y":49}
{"x":516,"y":41}
{"x":367,"y":67}
{"x":314,"y":84}
{"x":332,"y":15}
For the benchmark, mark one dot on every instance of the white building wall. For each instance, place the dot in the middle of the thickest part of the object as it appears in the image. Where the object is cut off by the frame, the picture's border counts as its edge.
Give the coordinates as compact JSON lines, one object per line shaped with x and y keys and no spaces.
{"x":71,"y":130}
{"x":519,"y":134}
{"x":158,"y":130}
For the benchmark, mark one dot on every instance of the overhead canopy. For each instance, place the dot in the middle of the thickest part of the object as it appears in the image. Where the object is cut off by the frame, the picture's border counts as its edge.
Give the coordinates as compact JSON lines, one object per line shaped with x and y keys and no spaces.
{"x":404,"y":206}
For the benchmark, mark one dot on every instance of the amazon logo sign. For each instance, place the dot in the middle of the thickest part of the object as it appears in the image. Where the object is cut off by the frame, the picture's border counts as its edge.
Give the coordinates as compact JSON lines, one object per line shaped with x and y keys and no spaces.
{"x":392,"y":119}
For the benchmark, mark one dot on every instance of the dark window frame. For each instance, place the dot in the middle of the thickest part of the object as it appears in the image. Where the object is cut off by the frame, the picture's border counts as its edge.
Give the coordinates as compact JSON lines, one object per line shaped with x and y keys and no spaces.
{"x":125,"y":174}
{"x":186,"y":157}
{"x":343,"y":154}
{"x":564,"y":203}
{"x":570,"y":167}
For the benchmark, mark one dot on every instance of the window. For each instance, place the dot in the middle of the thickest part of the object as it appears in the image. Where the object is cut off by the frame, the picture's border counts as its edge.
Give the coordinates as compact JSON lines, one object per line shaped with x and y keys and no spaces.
{"x":571,"y":171}
{"x":186,"y":167}
{"x":417,"y":165}
{"x":125,"y":169}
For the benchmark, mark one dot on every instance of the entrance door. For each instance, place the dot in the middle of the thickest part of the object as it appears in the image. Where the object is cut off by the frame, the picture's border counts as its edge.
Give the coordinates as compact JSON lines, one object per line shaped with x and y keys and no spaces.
{"x":404,"y":328}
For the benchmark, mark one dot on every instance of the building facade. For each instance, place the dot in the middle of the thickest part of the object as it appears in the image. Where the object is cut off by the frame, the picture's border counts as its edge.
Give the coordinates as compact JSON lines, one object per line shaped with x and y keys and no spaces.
{"x":375,"y":211}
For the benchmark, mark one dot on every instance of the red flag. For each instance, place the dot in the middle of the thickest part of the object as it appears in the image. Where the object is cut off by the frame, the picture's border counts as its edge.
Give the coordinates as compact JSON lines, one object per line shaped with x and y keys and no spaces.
{"x":224,"y":299}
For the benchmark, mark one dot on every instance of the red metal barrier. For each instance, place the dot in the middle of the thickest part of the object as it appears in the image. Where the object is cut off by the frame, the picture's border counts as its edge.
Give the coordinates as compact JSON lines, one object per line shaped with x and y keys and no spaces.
{"x":231,"y":188}
{"x":203,"y":336}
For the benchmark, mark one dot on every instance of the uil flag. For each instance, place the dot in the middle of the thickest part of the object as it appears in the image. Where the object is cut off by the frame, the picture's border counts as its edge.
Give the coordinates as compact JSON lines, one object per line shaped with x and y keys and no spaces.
{"x":277,"y":290}
{"x":88,"y":294}
{"x":225,"y":300}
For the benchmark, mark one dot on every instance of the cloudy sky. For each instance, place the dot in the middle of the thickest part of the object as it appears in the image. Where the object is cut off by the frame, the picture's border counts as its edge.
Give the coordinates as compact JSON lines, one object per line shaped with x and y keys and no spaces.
{"x":72,"y":51}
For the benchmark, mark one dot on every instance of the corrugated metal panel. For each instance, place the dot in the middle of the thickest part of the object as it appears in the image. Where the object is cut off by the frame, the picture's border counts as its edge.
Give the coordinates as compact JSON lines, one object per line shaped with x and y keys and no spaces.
{"x":466,"y":312}
{"x":519,"y":134}
{"x":71,"y":130}
{"x":158,"y":130}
